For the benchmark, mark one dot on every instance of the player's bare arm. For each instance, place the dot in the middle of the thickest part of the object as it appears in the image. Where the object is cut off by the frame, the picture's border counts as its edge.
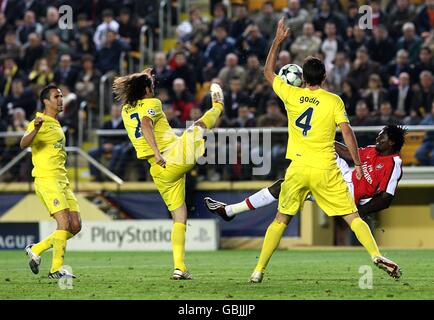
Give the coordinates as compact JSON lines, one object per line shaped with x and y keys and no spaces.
{"x":343,"y":151}
{"x":26,"y":141}
{"x":148,"y":132}
{"x":270,"y":65}
{"x":379,"y":202}
{"x":351,"y":142}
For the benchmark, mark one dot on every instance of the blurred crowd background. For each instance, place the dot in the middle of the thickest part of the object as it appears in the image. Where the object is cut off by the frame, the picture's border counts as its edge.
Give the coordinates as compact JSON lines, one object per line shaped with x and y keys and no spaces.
{"x":384,"y":74}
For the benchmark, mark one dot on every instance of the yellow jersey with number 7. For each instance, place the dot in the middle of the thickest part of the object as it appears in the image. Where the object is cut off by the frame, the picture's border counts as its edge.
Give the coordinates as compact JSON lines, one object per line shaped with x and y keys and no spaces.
{"x":132,"y":116}
{"x":312,"y":119}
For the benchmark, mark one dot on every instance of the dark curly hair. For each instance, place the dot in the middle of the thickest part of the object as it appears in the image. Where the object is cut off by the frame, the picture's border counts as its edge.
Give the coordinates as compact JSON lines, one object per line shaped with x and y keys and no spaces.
{"x":397,"y":135}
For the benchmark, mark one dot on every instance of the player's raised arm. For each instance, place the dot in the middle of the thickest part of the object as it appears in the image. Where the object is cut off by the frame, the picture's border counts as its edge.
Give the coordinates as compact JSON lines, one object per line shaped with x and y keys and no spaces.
{"x":147,"y":127}
{"x":270,"y":65}
{"x":26,"y":141}
{"x":351,"y":142}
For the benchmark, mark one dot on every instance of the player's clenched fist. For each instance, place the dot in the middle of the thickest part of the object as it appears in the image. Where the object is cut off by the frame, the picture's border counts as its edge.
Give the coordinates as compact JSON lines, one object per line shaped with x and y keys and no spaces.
{"x":38,"y":122}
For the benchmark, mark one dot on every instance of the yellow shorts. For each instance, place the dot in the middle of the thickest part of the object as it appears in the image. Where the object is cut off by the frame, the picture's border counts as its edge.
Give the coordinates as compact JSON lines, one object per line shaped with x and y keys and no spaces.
{"x":327,"y":186}
{"x":180,"y":158}
{"x":55,"y":195}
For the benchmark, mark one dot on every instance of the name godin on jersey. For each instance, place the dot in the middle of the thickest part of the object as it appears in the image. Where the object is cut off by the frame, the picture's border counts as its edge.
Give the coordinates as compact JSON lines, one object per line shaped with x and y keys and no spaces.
{"x":313,"y":100}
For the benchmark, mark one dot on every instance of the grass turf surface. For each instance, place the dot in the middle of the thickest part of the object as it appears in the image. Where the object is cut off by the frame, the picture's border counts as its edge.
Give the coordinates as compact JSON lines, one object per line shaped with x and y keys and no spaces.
{"x":293,"y":274}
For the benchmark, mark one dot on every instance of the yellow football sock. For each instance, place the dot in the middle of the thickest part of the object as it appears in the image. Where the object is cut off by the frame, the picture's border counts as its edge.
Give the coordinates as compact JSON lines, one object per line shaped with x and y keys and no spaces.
{"x":364,"y":235}
{"x":271,"y":241}
{"x":59,"y":246}
{"x":210,"y":117}
{"x":47,"y":243}
{"x":43,"y":245}
{"x":178,"y":244}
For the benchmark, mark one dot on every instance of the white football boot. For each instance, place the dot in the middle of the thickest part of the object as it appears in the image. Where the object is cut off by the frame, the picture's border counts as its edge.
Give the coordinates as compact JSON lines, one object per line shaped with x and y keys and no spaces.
{"x":34,"y":259}
{"x":388,"y":265}
{"x":256,"y":277}
{"x":216,"y":93}
{"x":179,"y":275}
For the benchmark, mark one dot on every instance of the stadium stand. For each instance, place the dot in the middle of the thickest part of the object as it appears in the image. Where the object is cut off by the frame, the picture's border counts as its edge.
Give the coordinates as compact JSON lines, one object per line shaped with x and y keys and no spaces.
{"x":195,"y":37}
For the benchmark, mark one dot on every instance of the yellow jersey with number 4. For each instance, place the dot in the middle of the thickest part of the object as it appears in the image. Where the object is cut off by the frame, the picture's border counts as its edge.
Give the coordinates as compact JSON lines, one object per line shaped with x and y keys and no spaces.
{"x":132,"y":116}
{"x":312,"y":119}
{"x":48,"y":149}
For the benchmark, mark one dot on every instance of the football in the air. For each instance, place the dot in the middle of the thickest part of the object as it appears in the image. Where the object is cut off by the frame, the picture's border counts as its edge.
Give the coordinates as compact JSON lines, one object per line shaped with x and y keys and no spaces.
{"x":292,"y":74}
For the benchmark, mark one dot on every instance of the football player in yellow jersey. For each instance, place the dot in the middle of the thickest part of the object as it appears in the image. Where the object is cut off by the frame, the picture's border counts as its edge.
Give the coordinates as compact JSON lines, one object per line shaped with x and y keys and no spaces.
{"x":47,"y":140}
{"x":170,"y":156}
{"x":313,"y":115}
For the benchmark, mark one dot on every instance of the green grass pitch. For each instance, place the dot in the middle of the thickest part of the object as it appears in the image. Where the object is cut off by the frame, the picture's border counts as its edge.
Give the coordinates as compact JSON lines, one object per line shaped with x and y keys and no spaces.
{"x":222,"y":275}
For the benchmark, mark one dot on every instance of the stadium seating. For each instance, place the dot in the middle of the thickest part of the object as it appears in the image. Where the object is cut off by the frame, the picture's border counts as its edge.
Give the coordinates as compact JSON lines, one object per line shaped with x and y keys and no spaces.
{"x":412,"y":143}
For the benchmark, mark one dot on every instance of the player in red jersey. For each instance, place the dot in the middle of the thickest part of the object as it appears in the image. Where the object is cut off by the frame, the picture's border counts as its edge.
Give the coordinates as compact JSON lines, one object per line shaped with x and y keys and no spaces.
{"x":382,"y":170}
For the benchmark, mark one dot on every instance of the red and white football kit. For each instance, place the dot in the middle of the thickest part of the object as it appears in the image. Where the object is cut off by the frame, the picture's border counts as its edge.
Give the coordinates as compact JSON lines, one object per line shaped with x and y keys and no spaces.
{"x":380,"y":174}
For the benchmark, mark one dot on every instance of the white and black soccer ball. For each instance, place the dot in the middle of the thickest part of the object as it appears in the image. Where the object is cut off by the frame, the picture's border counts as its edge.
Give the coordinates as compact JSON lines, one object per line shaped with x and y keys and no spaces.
{"x":292,"y":74}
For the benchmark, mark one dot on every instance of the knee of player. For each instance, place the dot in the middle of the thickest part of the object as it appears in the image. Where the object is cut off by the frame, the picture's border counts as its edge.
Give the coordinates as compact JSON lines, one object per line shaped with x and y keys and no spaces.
{"x":75,"y":228}
{"x":63,"y":223}
{"x":282,"y":218}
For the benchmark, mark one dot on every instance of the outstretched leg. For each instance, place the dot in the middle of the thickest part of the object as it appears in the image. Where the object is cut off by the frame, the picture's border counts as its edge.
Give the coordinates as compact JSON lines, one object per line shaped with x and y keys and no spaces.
{"x":260,"y":199}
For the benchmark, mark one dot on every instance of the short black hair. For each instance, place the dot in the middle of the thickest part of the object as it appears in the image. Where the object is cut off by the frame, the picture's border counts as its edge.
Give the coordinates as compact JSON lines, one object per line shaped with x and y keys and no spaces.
{"x":313,"y":71}
{"x":353,"y":5}
{"x":397,"y":135}
{"x":107,"y":13}
{"x":45,"y":92}
{"x":125,"y":10}
{"x":235,"y":78}
{"x":82,"y":16}
{"x":221,"y":26}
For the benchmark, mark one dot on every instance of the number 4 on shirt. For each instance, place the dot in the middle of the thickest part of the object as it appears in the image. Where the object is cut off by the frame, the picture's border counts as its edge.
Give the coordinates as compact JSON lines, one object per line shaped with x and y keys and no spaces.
{"x":303,"y":121}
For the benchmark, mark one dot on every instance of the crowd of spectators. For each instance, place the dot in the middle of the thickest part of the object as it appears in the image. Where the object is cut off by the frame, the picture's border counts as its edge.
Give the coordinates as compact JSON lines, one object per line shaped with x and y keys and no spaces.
{"x":36,"y":51}
{"x":384,"y":75}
